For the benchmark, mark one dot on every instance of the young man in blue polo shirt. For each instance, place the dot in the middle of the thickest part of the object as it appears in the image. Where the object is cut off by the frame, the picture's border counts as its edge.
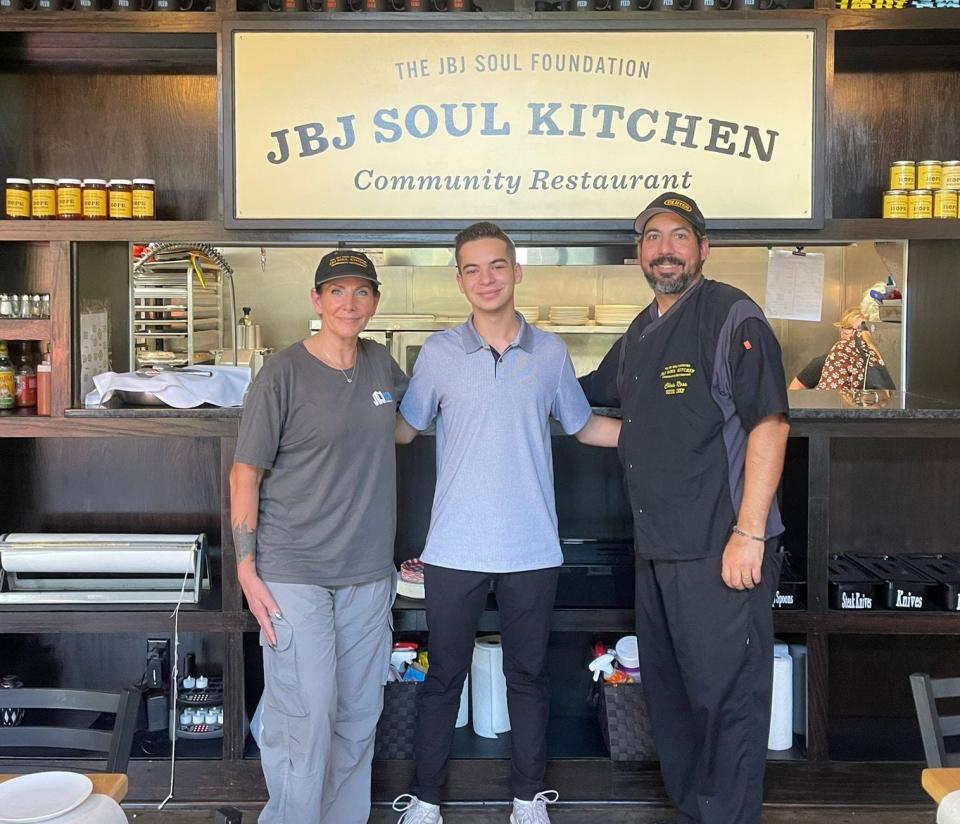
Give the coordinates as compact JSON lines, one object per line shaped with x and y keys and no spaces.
{"x":492,"y":385}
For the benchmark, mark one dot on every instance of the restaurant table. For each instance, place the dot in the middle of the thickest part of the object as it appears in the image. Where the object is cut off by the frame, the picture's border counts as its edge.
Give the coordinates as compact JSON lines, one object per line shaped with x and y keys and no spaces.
{"x":940,"y":781}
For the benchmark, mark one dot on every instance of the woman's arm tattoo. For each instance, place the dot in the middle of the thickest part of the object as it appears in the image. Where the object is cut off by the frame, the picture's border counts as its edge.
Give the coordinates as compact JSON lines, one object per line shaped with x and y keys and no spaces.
{"x":244,"y":541}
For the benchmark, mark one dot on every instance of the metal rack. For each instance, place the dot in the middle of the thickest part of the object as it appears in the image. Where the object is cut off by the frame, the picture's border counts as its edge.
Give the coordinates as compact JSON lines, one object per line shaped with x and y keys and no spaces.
{"x":174,"y":318}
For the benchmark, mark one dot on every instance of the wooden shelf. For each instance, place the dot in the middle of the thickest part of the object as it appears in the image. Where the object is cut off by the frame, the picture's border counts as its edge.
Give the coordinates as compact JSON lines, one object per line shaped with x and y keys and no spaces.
{"x":46,"y":619}
{"x":834,"y":232}
{"x":25,"y":329}
{"x":32,"y":426}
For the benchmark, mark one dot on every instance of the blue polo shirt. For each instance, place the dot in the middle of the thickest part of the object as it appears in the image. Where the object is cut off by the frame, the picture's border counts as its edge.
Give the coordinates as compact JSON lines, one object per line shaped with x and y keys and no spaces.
{"x":493,"y":445}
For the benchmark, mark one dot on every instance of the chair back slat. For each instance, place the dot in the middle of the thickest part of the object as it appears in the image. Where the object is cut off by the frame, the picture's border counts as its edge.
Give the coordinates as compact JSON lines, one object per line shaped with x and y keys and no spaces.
{"x":113,"y":743}
{"x":949,"y":725}
{"x":56,"y":699}
{"x":945,"y":687}
{"x":66,"y":738}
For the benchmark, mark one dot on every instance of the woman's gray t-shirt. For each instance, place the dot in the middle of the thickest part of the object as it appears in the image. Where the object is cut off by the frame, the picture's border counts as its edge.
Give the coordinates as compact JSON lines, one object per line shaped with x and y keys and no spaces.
{"x":327,"y":512}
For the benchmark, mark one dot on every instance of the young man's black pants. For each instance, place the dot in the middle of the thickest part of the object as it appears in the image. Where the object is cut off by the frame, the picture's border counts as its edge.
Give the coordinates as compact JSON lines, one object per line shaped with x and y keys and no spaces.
{"x":454,"y":602}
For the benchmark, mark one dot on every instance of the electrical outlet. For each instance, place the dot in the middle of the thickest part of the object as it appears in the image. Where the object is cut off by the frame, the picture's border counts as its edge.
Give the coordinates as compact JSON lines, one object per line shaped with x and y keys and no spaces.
{"x":158,"y":651}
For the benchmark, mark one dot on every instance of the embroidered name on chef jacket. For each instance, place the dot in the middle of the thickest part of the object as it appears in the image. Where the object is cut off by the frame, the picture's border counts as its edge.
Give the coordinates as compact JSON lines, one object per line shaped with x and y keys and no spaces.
{"x":380,"y":398}
{"x":675,"y":377}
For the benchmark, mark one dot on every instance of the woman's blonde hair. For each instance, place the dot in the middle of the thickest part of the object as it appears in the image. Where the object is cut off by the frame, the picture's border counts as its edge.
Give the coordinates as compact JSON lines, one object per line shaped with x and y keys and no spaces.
{"x":846,"y":319}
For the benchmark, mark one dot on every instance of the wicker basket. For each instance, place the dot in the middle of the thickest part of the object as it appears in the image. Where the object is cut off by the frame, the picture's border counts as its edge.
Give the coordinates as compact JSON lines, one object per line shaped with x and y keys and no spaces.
{"x":625,"y":723}
{"x":395,"y":730}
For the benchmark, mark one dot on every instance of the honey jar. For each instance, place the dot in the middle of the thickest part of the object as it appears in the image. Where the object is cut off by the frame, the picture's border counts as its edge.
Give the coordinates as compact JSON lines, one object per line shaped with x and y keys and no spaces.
{"x":920,"y":204}
{"x":945,"y":203}
{"x":144,"y":197}
{"x":903,"y":175}
{"x":18,"y":198}
{"x":895,"y":204}
{"x":951,"y":174}
{"x":120,"y":199}
{"x":929,"y":175}
{"x":94,"y":199}
{"x":69,"y":201}
{"x":43,"y":198}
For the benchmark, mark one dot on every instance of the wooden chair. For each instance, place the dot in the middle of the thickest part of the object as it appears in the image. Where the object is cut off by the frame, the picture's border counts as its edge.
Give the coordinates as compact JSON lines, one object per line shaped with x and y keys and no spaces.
{"x":942,"y":775}
{"x":112,"y":743}
{"x":934,"y":727}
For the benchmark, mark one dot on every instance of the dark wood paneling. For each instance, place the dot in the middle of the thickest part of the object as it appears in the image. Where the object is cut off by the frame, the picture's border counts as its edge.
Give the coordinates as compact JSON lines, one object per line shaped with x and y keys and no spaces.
{"x":138,"y":485}
{"x":883,"y":116}
{"x":870,"y":674}
{"x":132,"y":53}
{"x":818,"y":675}
{"x":104,"y":661}
{"x":894,"y":496}
{"x":116,"y":125}
{"x":933,"y":350}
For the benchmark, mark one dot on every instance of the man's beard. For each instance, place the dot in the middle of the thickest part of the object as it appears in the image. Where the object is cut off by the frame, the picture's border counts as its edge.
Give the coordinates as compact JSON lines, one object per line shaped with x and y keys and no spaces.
{"x":672,"y":285}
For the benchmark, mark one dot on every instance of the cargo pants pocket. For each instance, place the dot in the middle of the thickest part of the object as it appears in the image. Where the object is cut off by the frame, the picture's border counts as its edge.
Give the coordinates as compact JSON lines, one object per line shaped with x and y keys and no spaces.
{"x":280,"y":671}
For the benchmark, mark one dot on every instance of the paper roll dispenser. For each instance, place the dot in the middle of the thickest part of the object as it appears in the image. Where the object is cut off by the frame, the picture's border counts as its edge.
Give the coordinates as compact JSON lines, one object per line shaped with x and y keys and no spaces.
{"x":61,"y":568}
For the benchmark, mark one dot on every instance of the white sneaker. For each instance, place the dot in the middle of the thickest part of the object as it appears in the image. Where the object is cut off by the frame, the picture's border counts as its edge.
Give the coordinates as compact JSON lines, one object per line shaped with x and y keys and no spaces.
{"x":533,"y":812}
{"x":416,"y":811}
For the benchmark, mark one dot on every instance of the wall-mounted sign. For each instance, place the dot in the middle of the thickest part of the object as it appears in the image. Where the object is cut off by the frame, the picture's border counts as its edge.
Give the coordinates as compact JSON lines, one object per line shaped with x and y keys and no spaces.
{"x":356,"y":127}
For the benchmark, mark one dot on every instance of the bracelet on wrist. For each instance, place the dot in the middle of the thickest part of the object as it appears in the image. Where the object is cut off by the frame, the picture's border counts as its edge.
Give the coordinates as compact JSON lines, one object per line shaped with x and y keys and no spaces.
{"x":737,"y":531}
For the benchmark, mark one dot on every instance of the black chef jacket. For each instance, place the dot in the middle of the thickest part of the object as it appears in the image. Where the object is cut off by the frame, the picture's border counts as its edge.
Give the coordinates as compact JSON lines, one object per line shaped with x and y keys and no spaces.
{"x":691,"y":385}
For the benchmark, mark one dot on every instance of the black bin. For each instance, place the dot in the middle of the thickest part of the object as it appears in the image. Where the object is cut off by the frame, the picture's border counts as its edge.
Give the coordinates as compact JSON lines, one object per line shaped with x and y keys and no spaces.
{"x":906,"y":587}
{"x":852,"y":587}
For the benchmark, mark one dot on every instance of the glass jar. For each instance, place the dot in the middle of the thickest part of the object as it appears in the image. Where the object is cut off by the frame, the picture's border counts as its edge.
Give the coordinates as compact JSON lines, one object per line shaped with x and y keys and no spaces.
{"x":43,"y":198}
{"x":120,"y":199}
{"x":25,"y":305}
{"x":69,"y":202}
{"x":6,"y":306}
{"x":144,"y":198}
{"x":18,"y":198}
{"x":45,"y":305}
{"x":94,"y":199}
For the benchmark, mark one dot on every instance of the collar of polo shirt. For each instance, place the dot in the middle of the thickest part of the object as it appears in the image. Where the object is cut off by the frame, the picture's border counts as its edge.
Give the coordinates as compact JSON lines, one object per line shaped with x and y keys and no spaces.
{"x":472,"y":341}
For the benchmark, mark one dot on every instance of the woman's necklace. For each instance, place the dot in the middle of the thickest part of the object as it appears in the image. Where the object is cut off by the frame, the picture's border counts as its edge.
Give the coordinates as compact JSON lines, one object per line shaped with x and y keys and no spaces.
{"x":353,"y":372}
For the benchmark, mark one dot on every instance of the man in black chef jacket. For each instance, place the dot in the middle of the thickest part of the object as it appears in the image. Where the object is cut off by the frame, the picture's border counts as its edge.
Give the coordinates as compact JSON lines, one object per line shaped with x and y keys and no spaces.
{"x":699,"y":379}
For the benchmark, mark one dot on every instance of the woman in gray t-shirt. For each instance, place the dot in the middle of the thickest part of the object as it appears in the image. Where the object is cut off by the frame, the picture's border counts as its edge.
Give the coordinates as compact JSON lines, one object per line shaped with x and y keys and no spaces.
{"x":313,"y":508}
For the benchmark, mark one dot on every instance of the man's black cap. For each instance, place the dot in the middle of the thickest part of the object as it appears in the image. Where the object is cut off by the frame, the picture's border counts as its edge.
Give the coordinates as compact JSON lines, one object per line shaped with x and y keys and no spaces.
{"x":671,"y":203}
{"x":345,"y":263}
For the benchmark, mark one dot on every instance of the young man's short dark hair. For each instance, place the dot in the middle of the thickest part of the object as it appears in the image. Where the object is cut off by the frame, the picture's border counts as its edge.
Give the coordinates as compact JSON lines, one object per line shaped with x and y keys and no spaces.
{"x":479,"y":231}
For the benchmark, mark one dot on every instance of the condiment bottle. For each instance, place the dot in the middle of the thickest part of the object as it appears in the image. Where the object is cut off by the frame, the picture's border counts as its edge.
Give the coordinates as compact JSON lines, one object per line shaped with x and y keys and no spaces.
{"x":120,"y":198}
{"x":25,"y":305}
{"x":43,"y":386}
{"x":25,"y":384}
{"x":7,"y":382}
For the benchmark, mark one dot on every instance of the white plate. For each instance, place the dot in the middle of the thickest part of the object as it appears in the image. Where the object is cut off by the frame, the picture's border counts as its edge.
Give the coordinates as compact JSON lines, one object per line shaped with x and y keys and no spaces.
{"x":27,"y":799}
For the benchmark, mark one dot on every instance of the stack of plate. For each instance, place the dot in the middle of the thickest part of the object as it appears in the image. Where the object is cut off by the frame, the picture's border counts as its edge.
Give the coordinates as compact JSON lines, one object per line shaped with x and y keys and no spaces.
{"x":531,"y":314}
{"x":616,"y":314}
{"x":569,"y":315}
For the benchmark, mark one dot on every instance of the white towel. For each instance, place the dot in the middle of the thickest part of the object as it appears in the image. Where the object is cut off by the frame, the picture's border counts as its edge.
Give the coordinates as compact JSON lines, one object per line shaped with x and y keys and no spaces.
{"x":181,"y":389}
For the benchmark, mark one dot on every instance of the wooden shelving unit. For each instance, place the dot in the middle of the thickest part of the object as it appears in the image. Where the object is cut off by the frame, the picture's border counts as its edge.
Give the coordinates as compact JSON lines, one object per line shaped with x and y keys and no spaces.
{"x":25,"y":329}
{"x":66,"y":74}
